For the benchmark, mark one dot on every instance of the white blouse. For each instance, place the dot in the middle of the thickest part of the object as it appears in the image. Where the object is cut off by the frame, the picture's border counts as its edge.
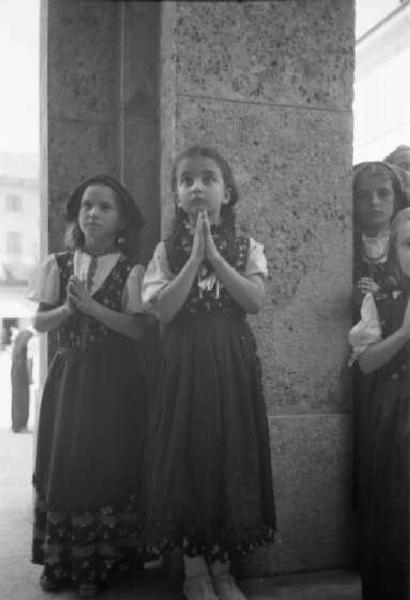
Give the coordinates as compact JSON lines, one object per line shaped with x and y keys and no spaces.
{"x":376,"y":248}
{"x":47,"y":287}
{"x":158,"y":273}
{"x":367,"y":331}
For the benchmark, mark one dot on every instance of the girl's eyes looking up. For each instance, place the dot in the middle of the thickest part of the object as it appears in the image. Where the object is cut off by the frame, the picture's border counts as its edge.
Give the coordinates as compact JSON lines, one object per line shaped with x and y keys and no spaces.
{"x":206,"y":178}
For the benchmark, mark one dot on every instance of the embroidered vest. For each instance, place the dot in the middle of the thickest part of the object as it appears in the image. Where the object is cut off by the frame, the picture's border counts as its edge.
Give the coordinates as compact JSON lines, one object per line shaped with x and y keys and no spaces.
{"x":200,"y":301}
{"x":391,"y":306}
{"x":81,"y":330}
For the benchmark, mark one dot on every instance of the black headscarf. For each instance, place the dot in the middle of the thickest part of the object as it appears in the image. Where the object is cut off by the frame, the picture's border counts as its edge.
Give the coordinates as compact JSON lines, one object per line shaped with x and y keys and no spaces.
{"x":128,"y":204}
{"x":400,"y":194}
{"x":133,"y":216}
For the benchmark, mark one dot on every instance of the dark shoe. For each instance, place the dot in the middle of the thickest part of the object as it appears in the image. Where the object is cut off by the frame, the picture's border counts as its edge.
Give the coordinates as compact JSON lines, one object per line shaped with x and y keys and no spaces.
{"x":49,"y":586}
{"x":88,"y":590}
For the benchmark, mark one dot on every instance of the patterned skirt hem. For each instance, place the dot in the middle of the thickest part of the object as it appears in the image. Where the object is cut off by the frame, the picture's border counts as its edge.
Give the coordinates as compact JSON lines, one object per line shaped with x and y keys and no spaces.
{"x":216,"y":545}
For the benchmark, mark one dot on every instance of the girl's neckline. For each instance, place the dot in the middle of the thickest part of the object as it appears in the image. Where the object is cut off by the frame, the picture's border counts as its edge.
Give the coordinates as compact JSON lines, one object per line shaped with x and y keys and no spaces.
{"x":381,"y":235}
{"x":98,"y":254}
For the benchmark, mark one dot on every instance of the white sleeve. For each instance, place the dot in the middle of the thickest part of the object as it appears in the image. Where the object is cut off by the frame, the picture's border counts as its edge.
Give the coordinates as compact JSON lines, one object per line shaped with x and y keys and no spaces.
{"x":367,"y":331}
{"x":256,"y":263}
{"x":46,"y":285}
{"x":131,"y":300}
{"x":157,"y":276}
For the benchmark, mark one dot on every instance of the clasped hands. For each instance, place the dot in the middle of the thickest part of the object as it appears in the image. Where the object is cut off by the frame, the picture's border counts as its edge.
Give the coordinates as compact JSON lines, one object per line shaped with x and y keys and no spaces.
{"x":203,"y":247}
{"x":367,"y":285}
{"x":78,"y":297}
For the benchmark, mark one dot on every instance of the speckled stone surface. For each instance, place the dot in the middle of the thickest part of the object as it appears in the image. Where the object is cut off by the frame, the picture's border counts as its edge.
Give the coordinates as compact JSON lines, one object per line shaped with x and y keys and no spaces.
{"x":77,"y":150}
{"x":295,"y":198}
{"x":83,"y":37}
{"x":82,"y":97}
{"x":298,"y":52}
{"x":139,"y":136}
{"x":269,"y":84}
{"x":102,"y":108}
{"x":311,"y":462}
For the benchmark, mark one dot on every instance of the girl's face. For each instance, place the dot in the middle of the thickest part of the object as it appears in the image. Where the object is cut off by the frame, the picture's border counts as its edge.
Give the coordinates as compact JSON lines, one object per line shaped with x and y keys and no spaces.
{"x":403,"y":247}
{"x":99,"y":216}
{"x":374,"y":201}
{"x":200,"y":186}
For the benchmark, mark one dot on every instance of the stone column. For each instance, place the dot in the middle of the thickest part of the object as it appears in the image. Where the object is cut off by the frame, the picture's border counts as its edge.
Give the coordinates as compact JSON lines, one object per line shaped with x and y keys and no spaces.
{"x":99,"y":103}
{"x":139,"y":132}
{"x":269,"y":84}
{"x":80,"y":110}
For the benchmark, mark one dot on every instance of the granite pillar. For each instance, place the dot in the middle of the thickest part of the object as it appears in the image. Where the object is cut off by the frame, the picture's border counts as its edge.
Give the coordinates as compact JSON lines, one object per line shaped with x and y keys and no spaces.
{"x":125,"y":85}
{"x":99,"y":103}
{"x":269,"y":85}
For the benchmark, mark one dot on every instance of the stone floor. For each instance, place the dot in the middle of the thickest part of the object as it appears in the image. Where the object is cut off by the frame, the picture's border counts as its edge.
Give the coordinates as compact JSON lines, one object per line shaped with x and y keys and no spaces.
{"x":19,"y":578}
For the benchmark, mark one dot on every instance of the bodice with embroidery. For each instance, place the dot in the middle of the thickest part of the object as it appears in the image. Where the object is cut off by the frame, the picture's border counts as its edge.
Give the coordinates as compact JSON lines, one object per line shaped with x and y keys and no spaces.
{"x":81,"y":330}
{"x":207,"y":294}
{"x":391,"y":306}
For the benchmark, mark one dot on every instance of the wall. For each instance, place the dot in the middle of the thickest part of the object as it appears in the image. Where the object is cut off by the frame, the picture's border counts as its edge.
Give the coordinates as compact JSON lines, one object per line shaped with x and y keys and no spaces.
{"x":99,"y":98}
{"x":269,"y":84}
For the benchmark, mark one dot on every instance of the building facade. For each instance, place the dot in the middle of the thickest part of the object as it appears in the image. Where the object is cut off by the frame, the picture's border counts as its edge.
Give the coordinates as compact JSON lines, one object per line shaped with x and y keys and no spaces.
{"x":382,"y":87}
{"x":19,"y":232}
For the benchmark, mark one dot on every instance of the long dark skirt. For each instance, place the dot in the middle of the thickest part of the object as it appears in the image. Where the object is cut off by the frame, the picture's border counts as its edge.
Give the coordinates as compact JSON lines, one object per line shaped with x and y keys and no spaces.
{"x":384,"y":493}
{"x":210,"y":486}
{"x":88,"y":462}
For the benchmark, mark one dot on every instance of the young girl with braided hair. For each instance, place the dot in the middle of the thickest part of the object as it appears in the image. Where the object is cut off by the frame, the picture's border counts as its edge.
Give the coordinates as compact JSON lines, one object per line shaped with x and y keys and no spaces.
{"x":210,"y":491}
{"x":91,"y":432}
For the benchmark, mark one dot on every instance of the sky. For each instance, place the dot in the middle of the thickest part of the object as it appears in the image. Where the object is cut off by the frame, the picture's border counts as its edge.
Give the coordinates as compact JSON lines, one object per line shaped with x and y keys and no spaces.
{"x":370,"y":12}
{"x":19,"y":76}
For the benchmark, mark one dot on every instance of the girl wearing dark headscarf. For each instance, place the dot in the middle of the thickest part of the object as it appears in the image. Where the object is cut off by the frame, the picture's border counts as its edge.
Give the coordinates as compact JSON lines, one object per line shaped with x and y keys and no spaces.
{"x":92,"y":418}
{"x":378,"y":194}
{"x":381,"y":346}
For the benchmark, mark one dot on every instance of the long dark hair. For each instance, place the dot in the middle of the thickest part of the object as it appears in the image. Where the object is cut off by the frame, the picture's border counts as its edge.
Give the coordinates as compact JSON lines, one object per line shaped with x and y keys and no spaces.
{"x":227,"y":215}
{"x":226,"y":227}
{"x":127,"y":239}
{"x":376,"y":167}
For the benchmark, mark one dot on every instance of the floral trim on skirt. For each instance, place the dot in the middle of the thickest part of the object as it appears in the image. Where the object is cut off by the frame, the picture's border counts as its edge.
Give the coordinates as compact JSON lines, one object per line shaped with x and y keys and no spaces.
{"x":86,"y":546}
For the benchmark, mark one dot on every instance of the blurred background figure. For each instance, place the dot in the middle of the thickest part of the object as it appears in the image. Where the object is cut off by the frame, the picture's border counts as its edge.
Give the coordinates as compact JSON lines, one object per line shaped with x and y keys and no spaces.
{"x":21,"y":378}
{"x":399,"y":157}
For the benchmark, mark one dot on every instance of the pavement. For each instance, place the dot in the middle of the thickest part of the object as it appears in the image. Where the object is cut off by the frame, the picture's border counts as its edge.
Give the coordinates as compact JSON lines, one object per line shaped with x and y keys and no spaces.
{"x":19,"y":578}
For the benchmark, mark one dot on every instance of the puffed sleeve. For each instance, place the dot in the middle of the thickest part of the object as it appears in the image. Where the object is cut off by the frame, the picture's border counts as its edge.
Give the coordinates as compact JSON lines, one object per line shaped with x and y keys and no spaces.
{"x":367,"y":331}
{"x":46,"y":286}
{"x":256,"y":263}
{"x":157,"y":276}
{"x":131,"y":300}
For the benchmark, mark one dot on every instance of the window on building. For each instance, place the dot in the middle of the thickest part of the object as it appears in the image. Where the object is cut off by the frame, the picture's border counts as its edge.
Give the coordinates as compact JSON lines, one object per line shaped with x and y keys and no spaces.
{"x":14,"y":203}
{"x":14,"y":243}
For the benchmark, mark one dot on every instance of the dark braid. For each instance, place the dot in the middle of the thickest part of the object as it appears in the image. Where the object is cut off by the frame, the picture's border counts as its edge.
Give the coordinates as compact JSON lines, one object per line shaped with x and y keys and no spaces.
{"x":179,"y":243}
